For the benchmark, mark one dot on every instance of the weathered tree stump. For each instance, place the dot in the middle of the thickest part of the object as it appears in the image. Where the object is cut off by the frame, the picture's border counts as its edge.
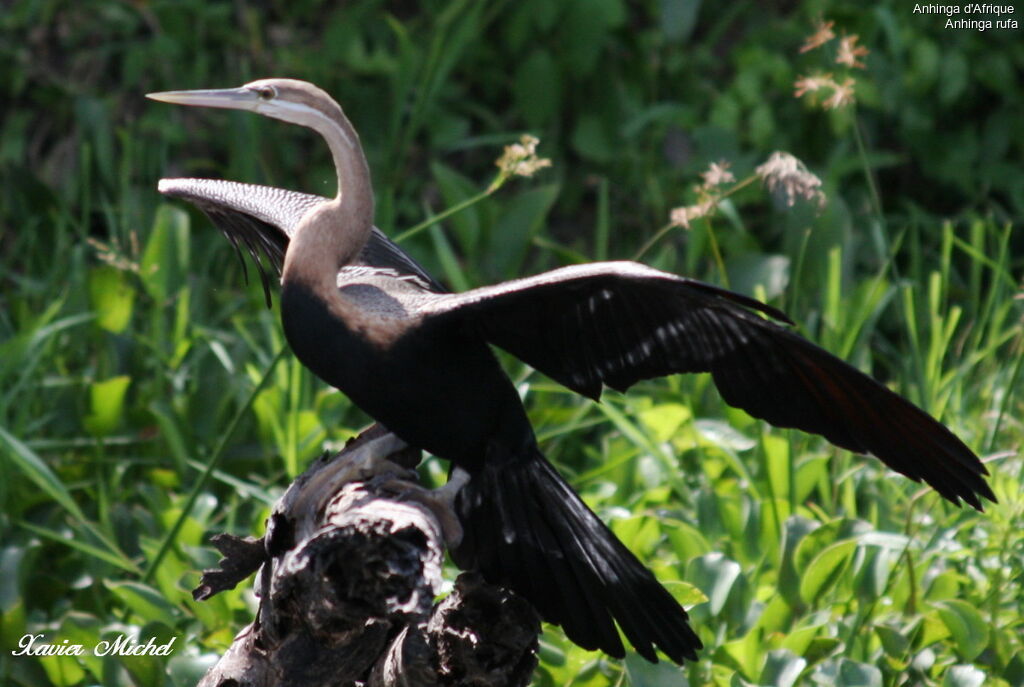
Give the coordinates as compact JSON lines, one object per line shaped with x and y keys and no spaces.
{"x":348,"y":572}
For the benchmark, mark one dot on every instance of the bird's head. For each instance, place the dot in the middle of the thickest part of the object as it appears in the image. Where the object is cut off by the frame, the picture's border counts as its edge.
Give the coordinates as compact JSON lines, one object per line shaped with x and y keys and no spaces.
{"x":289,"y":100}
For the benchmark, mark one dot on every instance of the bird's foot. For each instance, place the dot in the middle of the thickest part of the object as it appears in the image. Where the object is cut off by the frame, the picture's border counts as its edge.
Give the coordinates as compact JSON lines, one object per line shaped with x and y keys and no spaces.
{"x":440,"y":502}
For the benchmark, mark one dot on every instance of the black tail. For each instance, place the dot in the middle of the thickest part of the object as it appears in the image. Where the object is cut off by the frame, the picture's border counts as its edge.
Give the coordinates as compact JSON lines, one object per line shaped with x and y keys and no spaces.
{"x":525,"y":528}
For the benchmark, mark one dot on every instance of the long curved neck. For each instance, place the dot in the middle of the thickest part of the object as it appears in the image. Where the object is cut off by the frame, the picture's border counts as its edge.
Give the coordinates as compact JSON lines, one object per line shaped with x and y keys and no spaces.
{"x":332,"y":234}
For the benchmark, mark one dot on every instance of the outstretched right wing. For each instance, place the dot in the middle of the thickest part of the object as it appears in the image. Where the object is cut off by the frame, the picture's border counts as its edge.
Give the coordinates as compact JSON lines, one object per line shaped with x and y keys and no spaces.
{"x":263,"y":220}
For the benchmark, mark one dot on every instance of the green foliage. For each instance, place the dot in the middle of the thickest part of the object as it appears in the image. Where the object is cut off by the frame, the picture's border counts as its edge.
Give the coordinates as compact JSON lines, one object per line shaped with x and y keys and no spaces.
{"x":144,"y":403}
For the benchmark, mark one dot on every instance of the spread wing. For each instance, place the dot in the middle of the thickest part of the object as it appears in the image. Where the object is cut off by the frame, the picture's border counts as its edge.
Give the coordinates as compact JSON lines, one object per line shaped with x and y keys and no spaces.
{"x":262,"y":219}
{"x":614,"y":324}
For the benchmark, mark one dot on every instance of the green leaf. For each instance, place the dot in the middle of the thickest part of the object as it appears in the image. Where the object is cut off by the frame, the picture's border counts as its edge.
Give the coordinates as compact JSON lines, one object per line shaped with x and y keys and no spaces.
{"x":592,"y":140}
{"x":966,"y":625}
{"x":810,"y":472}
{"x":663,"y":419}
{"x":456,"y":188}
{"x":933,"y":629}
{"x":538,"y":88}
{"x":723,"y":435}
{"x":715,"y":575}
{"x":749,"y":271}
{"x":63,"y":671}
{"x":165,"y":260}
{"x":33,"y":467}
{"x":83,"y":629}
{"x":111,"y":297}
{"x":854,"y":674}
{"x":782,"y":669}
{"x":686,"y":594}
{"x":687,"y":541}
{"x":642,"y":673}
{"x":780,"y":477}
{"x":147,"y":603}
{"x":814,"y":543}
{"x":894,"y":642}
{"x":522,"y":218}
{"x":796,"y":529}
{"x":963,"y":676}
{"x":744,"y":654}
{"x":799,"y":639}
{"x":106,"y":405}
{"x":820,"y":648}
{"x":678,"y":18}
{"x":825,"y":569}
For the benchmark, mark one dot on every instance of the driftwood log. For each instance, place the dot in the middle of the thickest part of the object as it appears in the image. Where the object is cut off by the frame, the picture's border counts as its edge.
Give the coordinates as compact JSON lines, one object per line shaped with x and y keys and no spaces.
{"x":347,"y":576}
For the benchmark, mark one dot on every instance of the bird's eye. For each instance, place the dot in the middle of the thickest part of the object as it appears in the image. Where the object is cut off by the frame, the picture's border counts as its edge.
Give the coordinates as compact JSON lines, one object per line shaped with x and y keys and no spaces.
{"x":266,"y":92}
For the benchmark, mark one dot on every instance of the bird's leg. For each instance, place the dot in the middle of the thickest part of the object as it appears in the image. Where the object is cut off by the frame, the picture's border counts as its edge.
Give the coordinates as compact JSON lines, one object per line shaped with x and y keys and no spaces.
{"x":440,"y":502}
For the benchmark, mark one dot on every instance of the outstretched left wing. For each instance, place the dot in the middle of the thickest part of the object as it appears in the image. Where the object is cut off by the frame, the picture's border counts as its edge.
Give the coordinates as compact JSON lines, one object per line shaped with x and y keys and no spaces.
{"x":616,"y":323}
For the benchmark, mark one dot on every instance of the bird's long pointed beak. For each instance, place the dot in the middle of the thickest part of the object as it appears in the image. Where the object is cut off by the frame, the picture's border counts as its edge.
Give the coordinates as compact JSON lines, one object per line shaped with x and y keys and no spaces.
{"x":227,"y":98}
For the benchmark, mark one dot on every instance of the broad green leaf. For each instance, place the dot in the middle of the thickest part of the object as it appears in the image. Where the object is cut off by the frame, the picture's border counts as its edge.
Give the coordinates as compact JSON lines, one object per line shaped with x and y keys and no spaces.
{"x":751,"y":271}
{"x":782,"y":669}
{"x":14,"y":625}
{"x":825,"y":569}
{"x":854,"y":674}
{"x":963,"y":676}
{"x":84,"y":629}
{"x":744,"y":654}
{"x":664,"y":419}
{"x":723,"y":434}
{"x":687,"y":541}
{"x":945,"y":585}
{"x":11,"y":558}
{"x":642,"y":673}
{"x":164,"y":265}
{"x":678,"y":18}
{"x":774,"y":513}
{"x":106,"y":407}
{"x":875,"y":571}
{"x":894,"y":642}
{"x":780,"y":476}
{"x":776,"y":616}
{"x":715,"y":575}
{"x":820,"y":648}
{"x":795,"y":530}
{"x":591,"y":139}
{"x":686,"y":594}
{"x":521,"y":219}
{"x":933,"y":629}
{"x":639,"y":533}
{"x":799,"y":639}
{"x":966,"y":625}
{"x":811,"y":472}
{"x":111,"y":297}
{"x":814,"y":543}
{"x":63,"y":671}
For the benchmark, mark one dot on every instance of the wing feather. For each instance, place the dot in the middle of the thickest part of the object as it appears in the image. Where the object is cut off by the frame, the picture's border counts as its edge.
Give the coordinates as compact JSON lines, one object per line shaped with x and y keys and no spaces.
{"x":627,"y":322}
{"x":264,"y":218}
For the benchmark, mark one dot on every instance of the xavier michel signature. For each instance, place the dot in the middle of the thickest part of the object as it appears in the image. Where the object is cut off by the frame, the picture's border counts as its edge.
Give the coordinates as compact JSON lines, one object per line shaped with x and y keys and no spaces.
{"x":122,"y":645}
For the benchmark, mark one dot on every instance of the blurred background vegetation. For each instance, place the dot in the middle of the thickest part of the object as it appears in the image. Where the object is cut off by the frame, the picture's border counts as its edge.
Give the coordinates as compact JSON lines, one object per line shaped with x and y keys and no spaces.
{"x":131,"y":347}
